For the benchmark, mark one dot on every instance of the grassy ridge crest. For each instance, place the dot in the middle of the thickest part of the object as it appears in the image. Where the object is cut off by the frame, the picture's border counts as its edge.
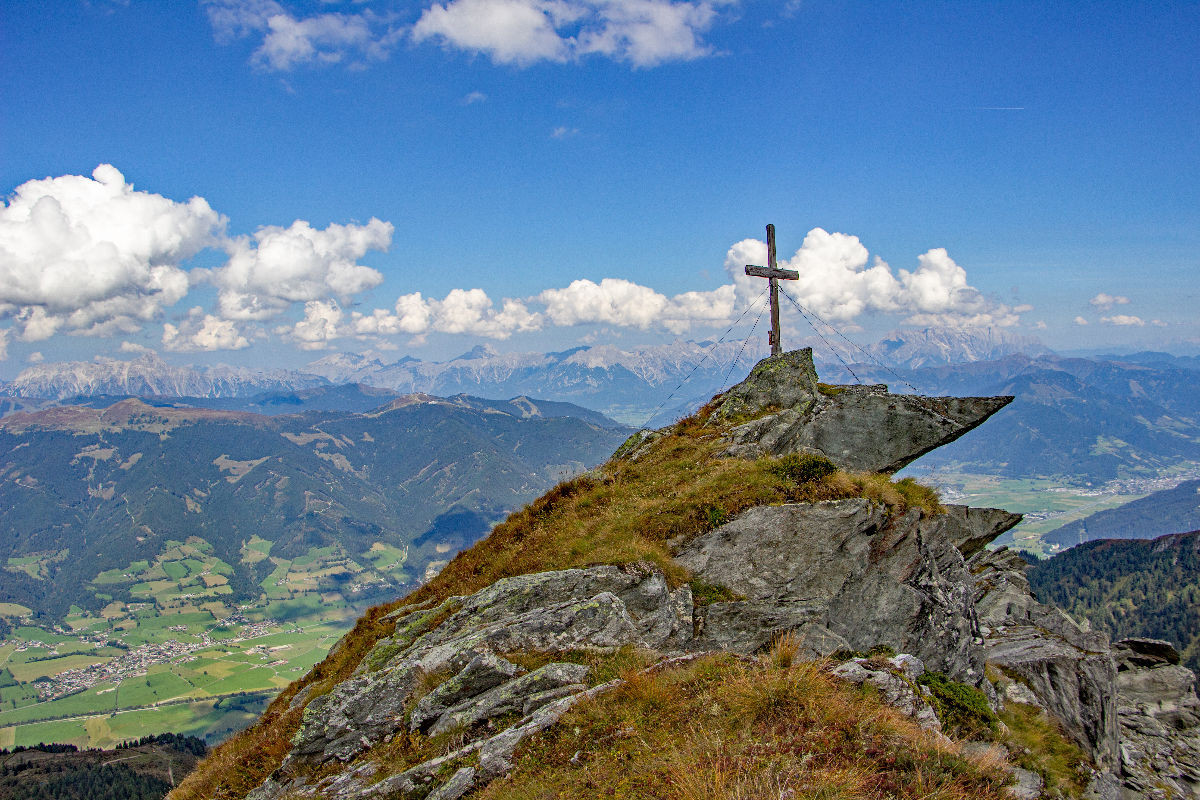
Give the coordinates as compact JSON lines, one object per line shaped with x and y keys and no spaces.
{"x":629,"y":510}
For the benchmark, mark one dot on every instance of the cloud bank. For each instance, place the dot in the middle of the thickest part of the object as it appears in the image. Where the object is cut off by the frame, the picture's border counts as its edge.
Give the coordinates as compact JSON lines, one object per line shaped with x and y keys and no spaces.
{"x":642,"y":33}
{"x":97,"y":256}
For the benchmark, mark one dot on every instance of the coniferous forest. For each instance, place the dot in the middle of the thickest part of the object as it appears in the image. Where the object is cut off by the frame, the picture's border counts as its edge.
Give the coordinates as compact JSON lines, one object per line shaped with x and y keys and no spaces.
{"x":144,"y":769}
{"x":1148,"y":588}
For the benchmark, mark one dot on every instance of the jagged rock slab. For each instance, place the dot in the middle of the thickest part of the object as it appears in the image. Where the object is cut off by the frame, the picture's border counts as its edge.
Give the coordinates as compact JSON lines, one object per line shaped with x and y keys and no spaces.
{"x":841,"y":574}
{"x":979,"y":527}
{"x":596,"y":608}
{"x":1160,"y":720}
{"x":861,"y":428}
{"x":1066,"y":669}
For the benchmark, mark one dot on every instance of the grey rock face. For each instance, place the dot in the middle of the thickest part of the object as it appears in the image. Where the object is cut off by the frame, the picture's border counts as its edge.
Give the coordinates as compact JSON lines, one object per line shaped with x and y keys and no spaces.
{"x":864,"y":428}
{"x":1130,"y":705}
{"x":485,"y":671}
{"x":598,"y":608}
{"x":842,"y":574}
{"x":788,"y":380}
{"x":1029,"y":785}
{"x":1067,"y":669}
{"x":977,"y":527}
{"x":1160,"y":720}
{"x":523,"y":695}
{"x":860,"y":428}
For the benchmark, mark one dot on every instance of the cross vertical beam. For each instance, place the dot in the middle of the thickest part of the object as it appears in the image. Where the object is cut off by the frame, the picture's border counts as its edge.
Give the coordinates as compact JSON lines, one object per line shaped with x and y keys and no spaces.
{"x":773,"y":274}
{"x":776,"y":345}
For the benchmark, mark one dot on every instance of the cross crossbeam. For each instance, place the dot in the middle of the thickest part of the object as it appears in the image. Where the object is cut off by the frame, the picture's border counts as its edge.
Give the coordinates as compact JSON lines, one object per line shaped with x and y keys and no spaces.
{"x":773,"y":274}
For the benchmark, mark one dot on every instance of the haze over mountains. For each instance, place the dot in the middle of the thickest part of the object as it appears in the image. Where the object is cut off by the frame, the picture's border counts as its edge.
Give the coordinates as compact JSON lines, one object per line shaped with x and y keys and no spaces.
{"x":1086,"y":420}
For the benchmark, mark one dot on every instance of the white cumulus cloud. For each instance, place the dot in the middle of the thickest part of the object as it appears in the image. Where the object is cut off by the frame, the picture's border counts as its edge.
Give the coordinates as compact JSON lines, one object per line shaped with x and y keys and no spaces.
{"x":1105,"y":301}
{"x":320,"y":326}
{"x":615,"y":301}
{"x":642,"y":32}
{"x":201,"y":332}
{"x":1080,"y":321}
{"x":836,"y":283}
{"x":94,"y":255}
{"x":1123,"y":319}
{"x":276,"y":267}
{"x":468,"y":311}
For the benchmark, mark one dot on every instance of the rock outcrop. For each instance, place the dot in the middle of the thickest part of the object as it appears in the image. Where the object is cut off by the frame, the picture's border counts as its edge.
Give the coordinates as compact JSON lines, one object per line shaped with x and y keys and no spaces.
{"x":862,"y":428}
{"x":843,"y":575}
{"x":1160,"y":721}
{"x":1055,"y":662}
{"x":1130,"y":704}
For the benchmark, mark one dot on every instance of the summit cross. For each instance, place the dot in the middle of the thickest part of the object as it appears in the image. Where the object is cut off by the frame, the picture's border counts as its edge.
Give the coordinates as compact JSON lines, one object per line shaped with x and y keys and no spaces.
{"x":774,"y":275}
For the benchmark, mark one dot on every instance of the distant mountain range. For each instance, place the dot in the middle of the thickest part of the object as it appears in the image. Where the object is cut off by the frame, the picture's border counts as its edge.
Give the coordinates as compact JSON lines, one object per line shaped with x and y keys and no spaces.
{"x":88,"y":490}
{"x":629,"y":385}
{"x":1164,"y":512}
{"x":1086,"y":420}
{"x":150,"y":375}
{"x":929,"y":347}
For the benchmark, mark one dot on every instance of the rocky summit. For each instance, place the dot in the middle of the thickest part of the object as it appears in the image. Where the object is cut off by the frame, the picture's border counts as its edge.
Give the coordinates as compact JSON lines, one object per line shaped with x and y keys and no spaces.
{"x":439,"y":695}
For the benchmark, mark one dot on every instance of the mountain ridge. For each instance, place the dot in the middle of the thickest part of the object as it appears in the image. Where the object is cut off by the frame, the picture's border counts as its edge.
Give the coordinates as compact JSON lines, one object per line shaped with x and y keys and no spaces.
{"x":734,"y":531}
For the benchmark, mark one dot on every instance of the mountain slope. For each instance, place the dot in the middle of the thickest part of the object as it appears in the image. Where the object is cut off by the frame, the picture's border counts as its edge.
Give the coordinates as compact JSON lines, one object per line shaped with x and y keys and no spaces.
{"x":1143,"y":588}
{"x":86,"y":491}
{"x":598,"y":607}
{"x":1161,"y":513}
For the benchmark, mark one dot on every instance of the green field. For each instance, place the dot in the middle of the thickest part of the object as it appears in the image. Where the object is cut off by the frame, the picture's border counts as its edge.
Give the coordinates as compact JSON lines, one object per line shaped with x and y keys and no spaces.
{"x":231,"y":659}
{"x":1046,"y":504}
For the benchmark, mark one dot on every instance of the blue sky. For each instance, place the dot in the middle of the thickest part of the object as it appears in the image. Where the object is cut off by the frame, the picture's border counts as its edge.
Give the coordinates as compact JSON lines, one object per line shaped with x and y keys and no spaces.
{"x":422,"y":177}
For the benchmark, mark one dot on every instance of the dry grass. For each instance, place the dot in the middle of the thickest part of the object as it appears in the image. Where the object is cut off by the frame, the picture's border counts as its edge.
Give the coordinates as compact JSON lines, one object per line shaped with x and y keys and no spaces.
{"x":721,"y":729}
{"x":676,"y":490}
{"x":628,"y":511}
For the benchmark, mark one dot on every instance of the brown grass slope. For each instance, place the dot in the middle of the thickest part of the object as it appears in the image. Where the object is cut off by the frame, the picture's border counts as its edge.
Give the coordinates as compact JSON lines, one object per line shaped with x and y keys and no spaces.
{"x":624,"y":512}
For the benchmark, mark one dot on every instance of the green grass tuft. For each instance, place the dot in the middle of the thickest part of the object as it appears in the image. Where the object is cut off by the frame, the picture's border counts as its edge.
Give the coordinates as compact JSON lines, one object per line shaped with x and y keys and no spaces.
{"x":802,"y":467}
{"x":963,"y":709}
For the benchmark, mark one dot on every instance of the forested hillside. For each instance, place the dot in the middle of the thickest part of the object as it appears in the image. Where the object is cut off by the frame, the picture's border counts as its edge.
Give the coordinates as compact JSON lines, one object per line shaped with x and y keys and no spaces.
{"x":145,"y":769}
{"x":86,"y":495}
{"x":1130,"y":588}
{"x":1164,"y":512}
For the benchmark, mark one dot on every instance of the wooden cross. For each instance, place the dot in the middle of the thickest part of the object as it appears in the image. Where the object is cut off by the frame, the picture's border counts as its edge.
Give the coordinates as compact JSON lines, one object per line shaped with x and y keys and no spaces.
{"x":774,"y":275}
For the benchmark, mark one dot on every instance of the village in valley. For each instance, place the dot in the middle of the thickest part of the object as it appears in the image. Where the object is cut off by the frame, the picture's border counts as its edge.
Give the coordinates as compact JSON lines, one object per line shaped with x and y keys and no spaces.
{"x":181,"y":657}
